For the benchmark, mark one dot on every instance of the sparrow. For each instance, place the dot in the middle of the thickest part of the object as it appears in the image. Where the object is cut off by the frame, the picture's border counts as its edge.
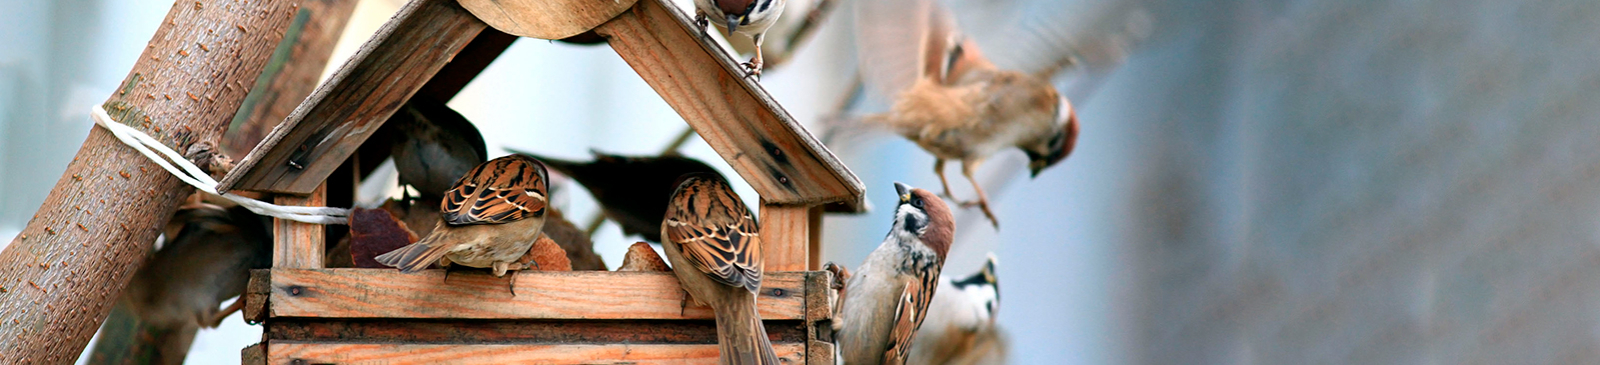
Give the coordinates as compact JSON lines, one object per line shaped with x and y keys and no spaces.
{"x":489,"y":219}
{"x":960,"y":327}
{"x":630,"y":189}
{"x":951,"y":100}
{"x":889,"y":294}
{"x":749,"y":17}
{"x":714,"y":244}
{"x":433,"y":146}
{"x":206,"y":261}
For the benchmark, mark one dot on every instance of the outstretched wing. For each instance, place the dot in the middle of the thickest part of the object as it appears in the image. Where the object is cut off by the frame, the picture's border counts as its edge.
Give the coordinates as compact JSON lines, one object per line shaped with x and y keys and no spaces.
{"x":502,"y":190}
{"x":909,"y":313}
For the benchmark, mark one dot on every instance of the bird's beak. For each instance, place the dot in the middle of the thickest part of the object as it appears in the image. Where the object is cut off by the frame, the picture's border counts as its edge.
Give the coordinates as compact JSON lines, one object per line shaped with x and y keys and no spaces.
{"x":904,"y":191}
{"x":1037,"y":166}
{"x":733,"y":22}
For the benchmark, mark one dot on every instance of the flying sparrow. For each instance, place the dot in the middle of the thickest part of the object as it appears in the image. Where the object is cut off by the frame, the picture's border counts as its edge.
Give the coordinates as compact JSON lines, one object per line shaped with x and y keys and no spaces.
{"x":630,"y":190}
{"x":488,"y":220}
{"x":960,"y":327}
{"x":748,"y":17}
{"x":206,"y":260}
{"x":951,"y":100}
{"x":888,"y":296}
{"x":714,"y":244}
{"x":433,"y":146}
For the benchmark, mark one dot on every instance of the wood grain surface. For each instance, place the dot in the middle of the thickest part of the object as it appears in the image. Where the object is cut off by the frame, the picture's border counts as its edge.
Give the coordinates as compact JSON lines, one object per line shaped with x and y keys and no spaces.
{"x":291,"y":74}
{"x":633,"y":354}
{"x":378,"y":293}
{"x":546,"y":19}
{"x":299,"y":245}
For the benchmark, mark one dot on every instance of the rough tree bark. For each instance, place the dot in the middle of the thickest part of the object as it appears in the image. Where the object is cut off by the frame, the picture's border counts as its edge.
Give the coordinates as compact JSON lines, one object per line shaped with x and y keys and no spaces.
{"x":58,"y":278}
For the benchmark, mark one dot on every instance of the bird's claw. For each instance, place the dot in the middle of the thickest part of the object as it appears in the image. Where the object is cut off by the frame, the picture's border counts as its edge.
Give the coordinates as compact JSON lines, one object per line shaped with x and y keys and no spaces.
{"x":752,"y":69}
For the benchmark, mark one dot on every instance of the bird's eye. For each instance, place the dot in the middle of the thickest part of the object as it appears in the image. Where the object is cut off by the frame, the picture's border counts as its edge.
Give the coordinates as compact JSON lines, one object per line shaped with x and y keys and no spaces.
{"x":916,"y":202}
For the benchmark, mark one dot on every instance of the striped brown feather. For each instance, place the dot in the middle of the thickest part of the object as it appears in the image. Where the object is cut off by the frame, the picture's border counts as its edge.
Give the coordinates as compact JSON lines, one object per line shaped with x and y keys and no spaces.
{"x":909,"y":313}
{"x":502,"y":190}
{"x":716,"y":232}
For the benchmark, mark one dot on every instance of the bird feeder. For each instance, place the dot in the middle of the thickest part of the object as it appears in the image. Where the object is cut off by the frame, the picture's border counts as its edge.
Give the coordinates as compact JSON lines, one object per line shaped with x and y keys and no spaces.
{"x":316,"y":315}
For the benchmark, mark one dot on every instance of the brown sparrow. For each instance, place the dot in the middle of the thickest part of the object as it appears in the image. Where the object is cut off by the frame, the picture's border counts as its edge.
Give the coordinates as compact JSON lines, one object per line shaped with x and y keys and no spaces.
{"x":630,"y":189}
{"x":488,"y":220}
{"x":748,"y":17}
{"x":888,"y":296}
{"x":960,"y":328}
{"x":206,"y":260}
{"x":950,"y":99}
{"x":714,"y":244}
{"x":433,"y":146}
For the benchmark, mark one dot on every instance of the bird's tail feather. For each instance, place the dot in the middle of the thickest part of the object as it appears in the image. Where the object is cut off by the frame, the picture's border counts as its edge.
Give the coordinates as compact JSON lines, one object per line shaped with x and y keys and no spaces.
{"x":741,"y":338}
{"x":416,"y":256}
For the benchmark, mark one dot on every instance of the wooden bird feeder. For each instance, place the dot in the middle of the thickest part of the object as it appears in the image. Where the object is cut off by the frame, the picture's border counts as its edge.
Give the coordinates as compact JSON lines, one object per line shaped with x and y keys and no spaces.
{"x":317,"y":315}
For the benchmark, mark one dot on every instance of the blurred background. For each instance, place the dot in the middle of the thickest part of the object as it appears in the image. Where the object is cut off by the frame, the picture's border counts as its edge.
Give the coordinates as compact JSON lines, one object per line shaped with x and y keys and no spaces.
{"x":1318,"y":181}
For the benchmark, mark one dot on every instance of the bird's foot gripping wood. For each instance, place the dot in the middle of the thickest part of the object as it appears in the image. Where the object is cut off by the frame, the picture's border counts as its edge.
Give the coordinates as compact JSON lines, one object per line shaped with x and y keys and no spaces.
{"x":701,"y":21}
{"x":753,"y":68}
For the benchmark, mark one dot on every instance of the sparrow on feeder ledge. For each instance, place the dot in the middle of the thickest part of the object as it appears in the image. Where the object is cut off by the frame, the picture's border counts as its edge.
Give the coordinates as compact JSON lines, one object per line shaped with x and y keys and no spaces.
{"x":714,"y":244}
{"x":489,"y":219}
{"x":951,"y":100}
{"x":886,"y":299}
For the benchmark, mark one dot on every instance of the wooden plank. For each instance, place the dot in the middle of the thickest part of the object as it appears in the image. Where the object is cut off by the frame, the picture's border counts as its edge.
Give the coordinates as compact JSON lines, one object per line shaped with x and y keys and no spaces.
{"x":291,"y":74}
{"x":256,"y":296}
{"x":390,"y":330}
{"x":296,"y":353}
{"x":299,"y":245}
{"x":546,"y":19}
{"x":60,"y":275}
{"x":736,"y":116}
{"x":378,"y":293}
{"x":253,"y":355}
{"x":328,"y":127}
{"x":785,"y":236}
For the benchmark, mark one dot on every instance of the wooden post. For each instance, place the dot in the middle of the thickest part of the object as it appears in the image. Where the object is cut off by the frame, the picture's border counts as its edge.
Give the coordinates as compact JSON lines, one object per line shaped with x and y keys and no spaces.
{"x":299,"y":245}
{"x":785,"y":236}
{"x":61,"y":274}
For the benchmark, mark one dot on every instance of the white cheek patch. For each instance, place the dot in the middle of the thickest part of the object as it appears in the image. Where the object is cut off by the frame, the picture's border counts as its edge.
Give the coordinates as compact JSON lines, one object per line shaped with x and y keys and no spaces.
{"x":1063,"y":111}
{"x":983,"y":298}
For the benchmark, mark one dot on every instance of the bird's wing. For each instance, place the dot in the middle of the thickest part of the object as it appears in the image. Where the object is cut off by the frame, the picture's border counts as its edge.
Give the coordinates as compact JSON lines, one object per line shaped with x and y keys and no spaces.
{"x":1048,"y":39}
{"x":502,"y":190}
{"x":909,"y":311}
{"x":891,"y":43}
{"x":717,"y":234}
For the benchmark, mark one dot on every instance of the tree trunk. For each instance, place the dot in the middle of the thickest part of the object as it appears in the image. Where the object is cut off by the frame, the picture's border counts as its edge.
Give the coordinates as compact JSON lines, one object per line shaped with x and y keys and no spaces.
{"x":60,"y":276}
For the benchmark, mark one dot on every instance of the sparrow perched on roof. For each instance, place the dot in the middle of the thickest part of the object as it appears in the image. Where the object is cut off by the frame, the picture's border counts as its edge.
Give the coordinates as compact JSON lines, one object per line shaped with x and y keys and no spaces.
{"x":206,"y":260}
{"x":888,"y":296}
{"x":433,"y":146}
{"x":714,"y":244}
{"x":960,"y":327}
{"x":748,"y":17}
{"x":488,"y":220}
{"x":950,"y":99}
{"x":630,"y":190}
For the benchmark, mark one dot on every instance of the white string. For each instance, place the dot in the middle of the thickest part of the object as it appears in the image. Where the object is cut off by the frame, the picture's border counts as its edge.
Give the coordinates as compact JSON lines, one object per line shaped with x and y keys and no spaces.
{"x":196,"y":177}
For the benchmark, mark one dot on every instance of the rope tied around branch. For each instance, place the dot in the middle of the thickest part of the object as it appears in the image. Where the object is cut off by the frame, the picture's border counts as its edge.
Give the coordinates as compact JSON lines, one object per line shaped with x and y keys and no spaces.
{"x":195,"y":176}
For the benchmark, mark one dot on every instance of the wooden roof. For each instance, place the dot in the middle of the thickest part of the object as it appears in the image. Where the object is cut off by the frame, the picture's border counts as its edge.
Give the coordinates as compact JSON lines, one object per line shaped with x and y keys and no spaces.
{"x":414,"y":51}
